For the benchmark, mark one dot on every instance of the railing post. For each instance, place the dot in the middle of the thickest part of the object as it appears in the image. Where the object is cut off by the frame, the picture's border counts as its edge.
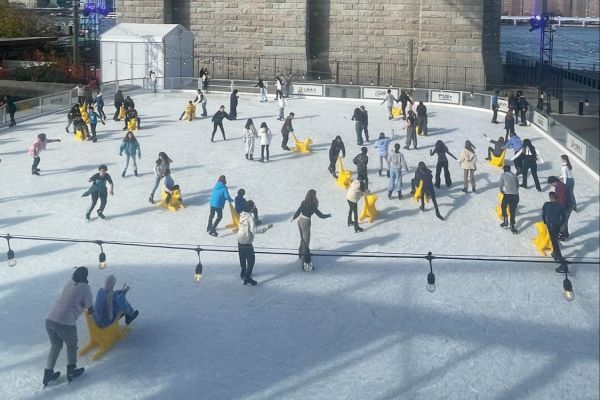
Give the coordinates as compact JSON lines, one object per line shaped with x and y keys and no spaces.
{"x":228,"y":62}
{"x":378,"y":74}
{"x":259,"y":73}
{"x":243,"y":68}
{"x":337,"y":72}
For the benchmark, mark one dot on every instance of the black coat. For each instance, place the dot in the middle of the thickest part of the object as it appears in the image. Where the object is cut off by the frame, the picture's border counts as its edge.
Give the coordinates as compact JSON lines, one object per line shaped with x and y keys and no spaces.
{"x":334,"y":150}
{"x":233,"y":101}
{"x":361,"y":162}
{"x":218,"y":117}
{"x":426,"y":177}
{"x":421,"y":110}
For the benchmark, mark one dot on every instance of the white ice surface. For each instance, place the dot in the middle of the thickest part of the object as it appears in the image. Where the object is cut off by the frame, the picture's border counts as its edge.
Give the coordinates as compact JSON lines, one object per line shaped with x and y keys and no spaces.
{"x":352,"y":329}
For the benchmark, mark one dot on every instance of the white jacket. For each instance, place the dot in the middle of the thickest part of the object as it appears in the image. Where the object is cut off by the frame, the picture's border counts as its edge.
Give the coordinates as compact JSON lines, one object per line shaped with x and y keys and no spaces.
{"x":282,"y":102}
{"x":250,"y":133}
{"x":397,"y":161}
{"x":566,"y":173}
{"x":248,"y":228}
{"x":354,"y":193}
{"x":265,"y":136}
{"x":75,"y":297}
{"x":467,"y":159}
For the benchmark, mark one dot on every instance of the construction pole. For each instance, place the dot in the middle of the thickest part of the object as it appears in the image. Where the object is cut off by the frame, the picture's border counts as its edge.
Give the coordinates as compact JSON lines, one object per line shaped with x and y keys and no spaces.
{"x":75,"y":31}
{"x":411,"y":65}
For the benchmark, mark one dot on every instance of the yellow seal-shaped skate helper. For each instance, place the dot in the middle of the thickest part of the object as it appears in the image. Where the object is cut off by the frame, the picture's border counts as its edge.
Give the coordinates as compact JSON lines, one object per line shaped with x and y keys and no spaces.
{"x":302,"y":146}
{"x":396,"y":111}
{"x":190,"y":113}
{"x":103,"y":338}
{"x":498,"y":161}
{"x":542,"y":240}
{"x":235,"y":218}
{"x":84,"y":114}
{"x":344,"y":176}
{"x":175,"y":202}
{"x":79,"y":135}
{"x":121,"y":113}
{"x":499,"y":207}
{"x":417,"y":195}
{"x":132,"y":125}
{"x":369,"y":210}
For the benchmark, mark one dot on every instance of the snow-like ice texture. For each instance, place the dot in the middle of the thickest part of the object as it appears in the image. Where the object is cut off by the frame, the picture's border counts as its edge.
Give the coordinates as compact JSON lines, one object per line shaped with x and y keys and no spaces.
{"x":355,"y":328}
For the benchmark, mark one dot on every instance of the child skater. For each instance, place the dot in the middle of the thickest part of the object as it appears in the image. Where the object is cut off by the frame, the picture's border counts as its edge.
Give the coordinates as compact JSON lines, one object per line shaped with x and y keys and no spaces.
{"x":36,"y":148}
{"x":131,"y":147}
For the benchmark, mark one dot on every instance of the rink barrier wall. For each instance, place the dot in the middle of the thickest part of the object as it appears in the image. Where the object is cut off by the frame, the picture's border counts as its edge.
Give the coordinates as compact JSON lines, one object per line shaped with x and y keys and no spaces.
{"x":568,"y":140}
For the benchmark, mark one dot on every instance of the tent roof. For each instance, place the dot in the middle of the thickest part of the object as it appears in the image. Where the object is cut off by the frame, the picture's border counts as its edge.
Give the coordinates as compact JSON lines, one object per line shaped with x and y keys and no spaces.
{"x":139,"y":32}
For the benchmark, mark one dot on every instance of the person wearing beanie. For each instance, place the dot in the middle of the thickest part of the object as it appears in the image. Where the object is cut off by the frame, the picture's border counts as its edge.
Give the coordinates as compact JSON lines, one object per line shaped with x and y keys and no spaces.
{"x":240,"y":204}
{"x":509,"y":187}
{"x":397,"y":163}
{"x":98,"y":191}
{"x":361,"y":161}
{"x":112,"y":304}
{"x":247,"y":230}
{"x":423,"y":174}
{"x":36,"y":148}
{"x":61,"y":324}
{"x":219,"y":194}
{"x":468,"y":162}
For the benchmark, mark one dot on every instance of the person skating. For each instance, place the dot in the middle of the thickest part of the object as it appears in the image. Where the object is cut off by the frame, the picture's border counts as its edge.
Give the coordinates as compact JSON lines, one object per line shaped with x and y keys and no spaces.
{"x":286,"y":129}
{"x":131,"y":147}
{"x":74,"y":113}
{"x":423,"y":174}
{"x":358,"y":125}
{"x":153,"y":80}
{"x":442,"y":163}
{"x":553,"y":215}
{"x":36,"y":148}
{"x":515,"y":143}
{"x":513,"y":106}
{"x":169,"y":186}
{"x":404,"y":99}
{"x":566,"y":177}
{"x":240,"y":202}
{"x":100,"y":105}
{"x":250,"y":136}
{"x":509,"y":187}
{"x":80,"y":125}
{"x":278,"y":85}
{"x":220,"y":193}
{"x":128,"y":103}
{"x":397,"y":164}
{"x":509,"y":124}
{"x":118,"y":103}
{"x":217,"y":120}
{"x":281,"y":103}
{"x":11,"y":108}
{"x":382,"y":145}
{"x":98,"y":191}
{"x":388,"y":100}
{"x":308,"y":207}
{"x":523,"y":107}
{"x":411,"y":130}
{"x":263,"y":91}
{"x":265,"y":135}
{"x":498,"y":148}
{"x":468,"y":162}
{"x":161,"y":166}
{"x":190,"y":110}
{"x":422,"y":118}
{"x":131,"y":113}
{"x":365,"y":122}
{"x":61,"y":324}
{"x":247,"y":230}
{"x":80,"y":93}
{"x":353,"y":194}
{"x":201,"y":98}
{"x":233,"y":103}
{"x":530,"y":157}
{"x":337,"y":147}
{"x":495,"y":107}
{"x":93,"y":122}
{"x":361,"y":161}
{"x":205,"y":79}
{"x":563,"y":198}
{"x":112,"y":304}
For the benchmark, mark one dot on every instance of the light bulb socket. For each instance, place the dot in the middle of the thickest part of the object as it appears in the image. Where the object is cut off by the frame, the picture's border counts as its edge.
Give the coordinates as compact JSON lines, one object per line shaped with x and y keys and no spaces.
{"x":430,"y":278}
{"x":199,"y":269}
{"x":10,"y":254}
{"x":102,"y":257}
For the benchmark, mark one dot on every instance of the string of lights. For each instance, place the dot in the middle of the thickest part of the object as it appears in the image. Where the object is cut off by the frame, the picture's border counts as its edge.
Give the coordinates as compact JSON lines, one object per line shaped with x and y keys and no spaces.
{"x":102,"y":259}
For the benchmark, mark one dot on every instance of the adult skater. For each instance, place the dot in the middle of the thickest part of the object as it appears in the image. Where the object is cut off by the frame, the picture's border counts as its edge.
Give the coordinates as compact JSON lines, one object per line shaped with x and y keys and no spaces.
{"x":74,"y":112}
{"x":495,"y":107}
{"x":161,"y":166}
{"x":513,"y":106}
{"x":397,"y":164}
{"x":240,"y":203}
{"x":98,"y":191}
{"x":128,"y":103}
{"x":100,"y":105}
{"x":497,"y":150}
{"x":61,"y":324}
{"x":233,"y":103}
{"x":112,"y":304}
{"x":361,"y":161}
{"x":265,"y":135}
{"x":11,"y":108}
{"x":530,"y":156}
{"x":286,"y":129}
{"x":358,"y":125}
{"x":337,"y":147}
{"x":523,"y":107}
{"x":80,"y":93}
{"x":404,"y":99}
{"x":80,"y":125}
{"x":278,"y":85}
{"x":553,"y":215}
{"x":388,"y":100}
{"x":217,"y":120}
{"x":308,"y":207}
{"x":382,"y":145}
{"x":93,"y":122}
{"x":509,"y":187}
{"x":118,"y":102}
{"x":515,"y":143}
{"x":281,"y":103}
{"x":562,"y":196}
{"x":217,"y":202}
{"x":353,"y":194}
{"x":422,"y":118}
{"x":153,"y":80}
{"x":36,"y":148}
{"x":205,"y":79}
{"x":247,"y":230}
{"x":566,"y":177}
{"x":201,"y":98}
{"x":365,"y":122}
{"x":411,"y":130}
{"x":250,"y":136}
{"x":131,"y":147}
{"x":423,"y":174}
{"x":468,"y":162}
{"x":131,"y":113}
{"x":509,"y":124}
{"x":442,"y":163}
{"x":263,"y":91}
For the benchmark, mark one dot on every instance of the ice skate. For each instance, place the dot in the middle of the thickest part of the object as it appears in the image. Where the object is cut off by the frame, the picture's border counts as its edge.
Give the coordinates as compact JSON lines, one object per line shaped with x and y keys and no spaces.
{"x":50,"y":376}
{"x":73,"y":372}
{"x":101,"y":215}
{"x":249,"y":281}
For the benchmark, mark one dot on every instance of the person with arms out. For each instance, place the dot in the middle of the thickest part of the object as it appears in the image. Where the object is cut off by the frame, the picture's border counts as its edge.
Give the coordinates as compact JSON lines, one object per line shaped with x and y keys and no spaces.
{"x":245,"y":235}
{"x":388,"y":100}
{"x":217,"y":120}
{"x":382,"y":145}
{"x":219,"y":194}
{"x":509,"y":187}
{"x":423,"y":174}
{"x":411,"y":130}
{"x":515,"y":143}
{"x":240,"y":202}
{"x":131,"y":147}
{"x":201,"y":98}
{"x":98,"y":191}
{"x":404,"y":99}
{"x":36,"y":148}
{"x":442,"y":163}
{"x":337,"y":147}
{"x":112,"y":304}
{"x":308,"y":207}
{"x":397,"y":164}
{"x":530,"y":157}
{"x":498,"y":148}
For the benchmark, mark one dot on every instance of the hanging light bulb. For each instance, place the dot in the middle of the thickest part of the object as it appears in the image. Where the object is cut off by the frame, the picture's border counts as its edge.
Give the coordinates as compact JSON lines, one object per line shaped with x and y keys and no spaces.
{"x":101,"y":257}
{"x":430,"y":282}
{"x":568,"y":290}
{"x":10,"y":255}
{"x":198,"y":272}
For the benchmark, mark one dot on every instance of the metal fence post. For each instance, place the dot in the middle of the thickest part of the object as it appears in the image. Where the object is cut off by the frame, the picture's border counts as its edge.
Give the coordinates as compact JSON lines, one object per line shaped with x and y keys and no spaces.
{"x":337,"y":71}
{"x":378,"y":74}
{"x":243,"y":68}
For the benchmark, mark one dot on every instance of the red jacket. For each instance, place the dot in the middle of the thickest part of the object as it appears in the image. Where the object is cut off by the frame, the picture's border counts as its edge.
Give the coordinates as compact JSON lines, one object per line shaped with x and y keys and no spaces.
{"x":562,"y":194}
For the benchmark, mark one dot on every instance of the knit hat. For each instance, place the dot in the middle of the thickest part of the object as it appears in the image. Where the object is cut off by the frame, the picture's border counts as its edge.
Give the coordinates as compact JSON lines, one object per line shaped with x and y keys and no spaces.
{"x":109,"y":283}
{"x":80,"y":275}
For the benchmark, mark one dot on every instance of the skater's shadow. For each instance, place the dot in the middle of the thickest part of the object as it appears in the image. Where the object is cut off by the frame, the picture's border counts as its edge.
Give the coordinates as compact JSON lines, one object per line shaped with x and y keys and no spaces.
{"x":42,"y":194}
{"x":392,"y":214}
{"x":197,"y":198}
{"x":136,"y":211}
{"x":356,"y":246}
{"x":439,"y":131}
{"x":10,"y":222}
{"x":275,"y":218}
{"x":307,"y":116}
{"x":286,"y":270}
{"x":43,"y":249}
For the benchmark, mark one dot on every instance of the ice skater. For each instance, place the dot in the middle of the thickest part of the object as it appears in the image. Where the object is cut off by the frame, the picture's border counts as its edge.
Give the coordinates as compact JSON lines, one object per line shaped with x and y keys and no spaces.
{"x":389,"y":102}
{"x":169,"y":187}
{"x":422,"y":118}
{"x":263,"y":91}
{"x":563,"y":198}
{"x":515,"y":143}
{"x":189,"y":112}
{"x":423,"y":174}
{"x":530,"y":157}
{"x":217,"y":120}
{"x":93,"y":122}
{"x":337,"y":147}
{"x":361,"y":161}
{"x":397,"y":163}
{"x":131,"y":147}
{"x":404,"y":99}
{"x":281,"y":103}
{"x":245,"y":236}
{"x":308,"y":207}
{"x":233,"y":103}
{"x":118,"y":103}
{"x":509,"y":187}
{"x":468,"y":162}
{"x":265,"y":135}
{"x":566,"y":177}
{"x":553,"y":215}
{"x":497,"y":150}
{"x":250,"y":136}
{"x":509,"y":124}
{"x":240,"y":202}
{"x":358,"y":125}
{"x":98,"y":191}
{"x":201,"y":98}
{"x":442,"y":163}
{"x":111,"y":304}
{"x":365,"y":122}
{"x":153,"y":80}
{"x":161,"y":166}
{"x":219,"y":194}
{"x":355,"y":191}
{"x":131,"y":113}
{"x":74,"y":112}
{"x":382,"y":145}
{"x":411,"y":130}
{"x":286,"y":129}
{"x":36,"y":148}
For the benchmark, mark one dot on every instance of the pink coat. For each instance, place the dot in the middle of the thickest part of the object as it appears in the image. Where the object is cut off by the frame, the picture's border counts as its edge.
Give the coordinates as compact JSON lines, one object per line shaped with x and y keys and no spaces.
{"x":36,"y":148}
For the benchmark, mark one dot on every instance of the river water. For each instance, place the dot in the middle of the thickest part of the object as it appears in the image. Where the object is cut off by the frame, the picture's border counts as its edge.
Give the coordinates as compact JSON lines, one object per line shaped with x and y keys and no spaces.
{"x":579,"y":46}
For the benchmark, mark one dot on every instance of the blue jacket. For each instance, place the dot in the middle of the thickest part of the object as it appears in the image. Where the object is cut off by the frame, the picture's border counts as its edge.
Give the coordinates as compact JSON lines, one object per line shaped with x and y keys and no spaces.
{"x":219,"y":195}
{"x":382,"y":146}
{"x":130,"y":147}
{"x":240,"y":203}
{"x":514,"y":143}
{"x":100,"y":101}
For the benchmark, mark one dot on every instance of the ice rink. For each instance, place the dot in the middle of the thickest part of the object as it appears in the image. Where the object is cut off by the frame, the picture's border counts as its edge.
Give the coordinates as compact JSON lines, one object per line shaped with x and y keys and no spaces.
{"x":355,"y":328}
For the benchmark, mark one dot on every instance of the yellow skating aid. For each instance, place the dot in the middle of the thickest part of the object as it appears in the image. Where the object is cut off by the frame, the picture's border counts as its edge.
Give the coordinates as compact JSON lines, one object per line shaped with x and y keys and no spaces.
{"x":369,"y":210}
{"x":79,"y":135}
{"x":190,"y":113}
{"x":235,"y":217}
{"x":396,"y":111}
{"x":175,"y":202}
{"x":103,"y":338}
{"x":417,"y":195}
{"x":499,"y":207}
{"x":132,"y":125}
{"x":344,"y":176}
{"x":302,"y":146}
{"x":498,"y":161}
{"x":121,"y":113}
{"x":542,"y":240}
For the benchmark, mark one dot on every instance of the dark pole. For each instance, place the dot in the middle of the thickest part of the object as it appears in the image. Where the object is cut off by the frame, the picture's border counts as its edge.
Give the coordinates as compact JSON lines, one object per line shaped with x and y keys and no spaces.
{"x":75,"y":31}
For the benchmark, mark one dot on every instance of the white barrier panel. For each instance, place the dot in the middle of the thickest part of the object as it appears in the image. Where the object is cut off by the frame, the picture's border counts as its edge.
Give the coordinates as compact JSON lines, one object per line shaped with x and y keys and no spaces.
{"x":377,"y":93}
{"x":540,"y":120}
{"x":307,"y":90}
{"x":576,"y":146}
{"x":503,"y":105}
{"x":57,"y":100}
{"x":445,"y":97}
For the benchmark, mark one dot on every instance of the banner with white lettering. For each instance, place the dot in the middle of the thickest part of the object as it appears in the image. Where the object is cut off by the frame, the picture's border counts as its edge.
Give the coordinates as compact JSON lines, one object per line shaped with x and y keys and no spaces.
{"x":445,"y":97}
{"x":377,"y":93}
{"x":576,"y":146}
{"x":503,"y":105}
{"x":540,"y":120}
{"x":307,"y":90}
{"x":55,"y":101}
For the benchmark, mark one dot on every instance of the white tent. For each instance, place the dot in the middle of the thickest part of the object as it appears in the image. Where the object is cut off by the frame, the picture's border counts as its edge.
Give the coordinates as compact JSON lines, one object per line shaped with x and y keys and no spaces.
{"x":130,"y":51}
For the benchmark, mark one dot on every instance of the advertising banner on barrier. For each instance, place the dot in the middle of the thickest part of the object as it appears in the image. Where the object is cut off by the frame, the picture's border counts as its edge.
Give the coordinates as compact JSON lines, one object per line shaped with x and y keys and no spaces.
{"x":445,"y":97}
{"x":377,"y":93}
{"x":307,"y":90}
{"x":54,"y":101}
{"x":502,"y":105}
{"x":576,"y":146}
{"x":540,"y":120}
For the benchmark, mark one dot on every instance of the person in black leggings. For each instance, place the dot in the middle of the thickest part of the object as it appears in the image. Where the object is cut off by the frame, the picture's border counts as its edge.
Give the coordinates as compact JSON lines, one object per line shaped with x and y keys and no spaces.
{"x":442,"y":163}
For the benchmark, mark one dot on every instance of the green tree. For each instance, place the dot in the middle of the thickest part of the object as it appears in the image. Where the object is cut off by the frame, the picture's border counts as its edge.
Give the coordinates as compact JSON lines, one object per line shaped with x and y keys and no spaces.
{"x":17,"y":21}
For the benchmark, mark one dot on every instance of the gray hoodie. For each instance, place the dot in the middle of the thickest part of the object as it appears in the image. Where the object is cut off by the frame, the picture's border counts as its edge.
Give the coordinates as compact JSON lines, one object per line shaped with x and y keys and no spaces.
{"x":509,"y":183}
{"x":75,"y":297}
{"x":248,"y":228}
